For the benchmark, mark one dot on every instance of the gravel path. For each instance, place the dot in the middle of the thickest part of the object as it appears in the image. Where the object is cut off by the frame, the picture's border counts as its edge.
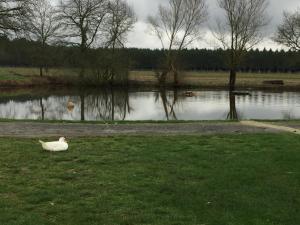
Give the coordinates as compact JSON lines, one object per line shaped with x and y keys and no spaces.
{"x":37,"y":130}
{"x":277,"y":126}
{"x":294,"y":124}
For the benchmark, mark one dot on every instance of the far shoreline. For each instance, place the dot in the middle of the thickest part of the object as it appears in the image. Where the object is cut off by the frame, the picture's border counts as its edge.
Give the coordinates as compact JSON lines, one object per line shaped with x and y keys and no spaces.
{"x":14,"y":78}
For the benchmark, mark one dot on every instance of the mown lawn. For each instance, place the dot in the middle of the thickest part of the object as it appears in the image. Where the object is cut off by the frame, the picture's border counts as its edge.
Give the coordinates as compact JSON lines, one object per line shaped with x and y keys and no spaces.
{"x":213,"y":180}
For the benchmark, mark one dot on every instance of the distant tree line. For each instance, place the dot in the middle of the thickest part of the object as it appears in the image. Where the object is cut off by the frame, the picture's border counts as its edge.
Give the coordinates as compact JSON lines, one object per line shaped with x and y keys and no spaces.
{"x":217,"y":60}
{"x":21,"y":52}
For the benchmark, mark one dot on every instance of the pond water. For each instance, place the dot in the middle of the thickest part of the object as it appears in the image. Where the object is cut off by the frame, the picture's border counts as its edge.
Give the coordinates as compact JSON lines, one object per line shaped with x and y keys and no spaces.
{"x":116,"y":104}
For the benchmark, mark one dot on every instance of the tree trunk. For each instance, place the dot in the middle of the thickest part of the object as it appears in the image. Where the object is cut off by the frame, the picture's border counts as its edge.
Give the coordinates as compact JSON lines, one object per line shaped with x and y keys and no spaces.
{"x":82,"y":62}
{"x":232,"y":80}
{"x":42,"y":57}
{"x":112,"y":78}
{"x":176,"y":81}
{"x":163,"y":78}
{"x":112,"y":104}
{"x":81,"y":73}
{"x":41,"y":71}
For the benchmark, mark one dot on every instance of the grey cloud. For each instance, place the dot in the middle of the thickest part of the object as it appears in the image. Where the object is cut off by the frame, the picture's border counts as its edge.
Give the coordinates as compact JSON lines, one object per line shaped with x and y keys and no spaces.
{"x":144,"y":8}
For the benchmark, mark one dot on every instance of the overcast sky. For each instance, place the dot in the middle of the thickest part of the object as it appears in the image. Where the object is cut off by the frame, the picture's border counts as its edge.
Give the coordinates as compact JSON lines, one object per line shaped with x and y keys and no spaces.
{"x":141,"y":38}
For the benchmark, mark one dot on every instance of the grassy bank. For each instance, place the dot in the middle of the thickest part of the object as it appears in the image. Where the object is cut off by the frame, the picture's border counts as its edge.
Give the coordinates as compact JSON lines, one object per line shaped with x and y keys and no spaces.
{"x":3,"y":120}
{"x":287,"y":122}
{"x":26,"y":77}
{"x":10,"y":77}
{"x":237,"y":180}
{"x":220,"y":79}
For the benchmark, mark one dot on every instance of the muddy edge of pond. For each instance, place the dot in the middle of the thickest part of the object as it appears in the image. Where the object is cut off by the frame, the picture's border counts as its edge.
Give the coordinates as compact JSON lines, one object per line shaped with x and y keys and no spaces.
{"x":35,"y":129}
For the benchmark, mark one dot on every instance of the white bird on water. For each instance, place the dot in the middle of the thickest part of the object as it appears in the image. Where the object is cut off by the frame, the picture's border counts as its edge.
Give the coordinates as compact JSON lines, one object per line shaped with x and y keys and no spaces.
{"x":55,"y":146}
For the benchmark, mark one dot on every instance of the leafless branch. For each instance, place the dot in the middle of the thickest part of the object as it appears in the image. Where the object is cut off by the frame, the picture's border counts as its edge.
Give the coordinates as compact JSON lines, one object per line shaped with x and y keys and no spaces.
{"x":177,"y":26}
{"x":288,"y":33}
{"x":83,"y":19}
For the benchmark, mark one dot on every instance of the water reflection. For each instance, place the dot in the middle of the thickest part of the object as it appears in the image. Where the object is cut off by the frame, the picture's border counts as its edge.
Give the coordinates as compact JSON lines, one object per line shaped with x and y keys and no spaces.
{"x":42,"y":109}
{"x":110,"y":105}
{"x":122,"y":104}
{"x":233,"y":114}
{"x":169,"y":102}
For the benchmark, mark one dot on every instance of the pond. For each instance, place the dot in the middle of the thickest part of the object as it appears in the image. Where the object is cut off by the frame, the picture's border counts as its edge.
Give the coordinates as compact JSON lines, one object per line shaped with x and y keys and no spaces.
{"x":118,"y":104}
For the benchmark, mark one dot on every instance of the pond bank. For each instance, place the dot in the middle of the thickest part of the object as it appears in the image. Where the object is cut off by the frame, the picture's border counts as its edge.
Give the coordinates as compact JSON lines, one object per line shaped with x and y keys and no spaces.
{"x":215,"y":80}
{"x":36,"y":129}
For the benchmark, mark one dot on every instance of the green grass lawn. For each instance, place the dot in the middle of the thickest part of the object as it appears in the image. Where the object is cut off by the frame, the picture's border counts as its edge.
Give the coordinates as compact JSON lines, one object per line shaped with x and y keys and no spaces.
{"x":212,"y":180}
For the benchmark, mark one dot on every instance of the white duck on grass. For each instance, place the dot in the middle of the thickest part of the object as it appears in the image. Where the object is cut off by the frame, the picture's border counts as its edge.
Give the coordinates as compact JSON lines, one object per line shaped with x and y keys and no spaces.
{"x":55,"y":146}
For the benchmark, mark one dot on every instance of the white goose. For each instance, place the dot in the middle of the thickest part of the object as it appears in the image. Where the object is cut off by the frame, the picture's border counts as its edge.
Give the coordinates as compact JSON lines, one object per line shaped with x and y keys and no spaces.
{"x":55,"y":146}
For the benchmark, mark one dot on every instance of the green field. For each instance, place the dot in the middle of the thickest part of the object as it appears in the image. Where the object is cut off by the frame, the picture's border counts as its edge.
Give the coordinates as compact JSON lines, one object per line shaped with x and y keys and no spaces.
{"x":198,"y":79}
{"x":12,"y":72}
{"x":220,"y":79}
{"x":213,"y":180}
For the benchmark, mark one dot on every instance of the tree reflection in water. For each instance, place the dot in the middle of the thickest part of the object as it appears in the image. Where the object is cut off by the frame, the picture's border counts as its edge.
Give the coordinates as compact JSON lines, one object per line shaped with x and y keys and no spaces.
{"x":117,"y":104}
{"x":42,"y":109}
{"x":169,"y":100}
{"x":108,"y":105}
{"x":82,"y":107}
{"x":233,"y":114}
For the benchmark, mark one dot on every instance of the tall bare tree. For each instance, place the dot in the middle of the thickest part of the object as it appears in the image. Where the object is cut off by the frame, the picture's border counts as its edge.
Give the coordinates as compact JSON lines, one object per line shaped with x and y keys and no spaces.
{"x":241,"y":29}
{"x":10,"y":14}
{"x":83,"y":21}
{"x":177,"y":26}
{"x":288,"y":33}
{"x":120,"y":21}
{"x":41,"y":24}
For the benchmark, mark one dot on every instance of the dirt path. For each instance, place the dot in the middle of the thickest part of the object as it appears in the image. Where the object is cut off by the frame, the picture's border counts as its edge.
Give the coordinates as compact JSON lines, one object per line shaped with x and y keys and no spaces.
{"x":37,"y":130}
{"x":279,"y":127}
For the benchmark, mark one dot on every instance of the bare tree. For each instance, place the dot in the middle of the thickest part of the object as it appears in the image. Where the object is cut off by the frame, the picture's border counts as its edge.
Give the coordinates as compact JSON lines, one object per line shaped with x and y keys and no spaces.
{"x":177,"y":26}
{"x":41,"y":24}
{"x":83,"y":21}
{"x":241,"y":29}
{"x":120,"y":21}
{"x":10,"y":14}
{"x":288,"y":33}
